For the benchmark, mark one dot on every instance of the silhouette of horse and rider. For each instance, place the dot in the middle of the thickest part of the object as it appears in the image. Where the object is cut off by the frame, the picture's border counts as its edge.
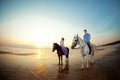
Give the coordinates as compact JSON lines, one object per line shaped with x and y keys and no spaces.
{"x":87,"y":48}
{"x":61,"y":50}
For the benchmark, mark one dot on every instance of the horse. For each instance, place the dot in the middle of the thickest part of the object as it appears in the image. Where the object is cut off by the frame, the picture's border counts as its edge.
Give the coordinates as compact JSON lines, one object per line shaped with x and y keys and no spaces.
{"x":60,"y":53}
{"x":84,"y":50}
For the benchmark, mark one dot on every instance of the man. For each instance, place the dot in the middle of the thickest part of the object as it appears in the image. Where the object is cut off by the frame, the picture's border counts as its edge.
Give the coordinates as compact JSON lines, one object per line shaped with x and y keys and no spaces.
{"x":87,"y":39}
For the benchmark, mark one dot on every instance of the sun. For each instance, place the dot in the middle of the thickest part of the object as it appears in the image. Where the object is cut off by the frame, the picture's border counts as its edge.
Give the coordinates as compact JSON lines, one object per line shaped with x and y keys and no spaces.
{"x":40,"y":39}
{"x":39,"y":43}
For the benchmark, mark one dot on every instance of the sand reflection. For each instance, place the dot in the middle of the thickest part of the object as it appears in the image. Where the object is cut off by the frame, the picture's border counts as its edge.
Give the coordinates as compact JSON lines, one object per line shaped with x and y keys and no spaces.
{"x":38,"y":53}
{"x":40,"y":72}
{"x":64,"y":69}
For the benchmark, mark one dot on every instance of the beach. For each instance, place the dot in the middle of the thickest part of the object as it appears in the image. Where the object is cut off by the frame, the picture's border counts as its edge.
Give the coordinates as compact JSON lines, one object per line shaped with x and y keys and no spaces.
{"x":44,"y":65}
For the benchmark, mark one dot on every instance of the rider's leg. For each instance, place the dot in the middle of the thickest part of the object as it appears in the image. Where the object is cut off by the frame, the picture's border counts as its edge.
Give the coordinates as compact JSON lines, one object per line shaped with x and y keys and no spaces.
{"x":89,"y":47}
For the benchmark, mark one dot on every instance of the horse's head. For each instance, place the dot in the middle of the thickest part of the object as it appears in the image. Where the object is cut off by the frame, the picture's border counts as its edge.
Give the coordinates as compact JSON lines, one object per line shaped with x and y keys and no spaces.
{"x":54,"y":47}
{"x":75,"y":42}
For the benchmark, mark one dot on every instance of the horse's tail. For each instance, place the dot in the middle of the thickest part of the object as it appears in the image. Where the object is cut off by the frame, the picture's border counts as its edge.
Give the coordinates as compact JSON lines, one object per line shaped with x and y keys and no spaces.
{"x":95,"y":49}
{"x":67,"y":56}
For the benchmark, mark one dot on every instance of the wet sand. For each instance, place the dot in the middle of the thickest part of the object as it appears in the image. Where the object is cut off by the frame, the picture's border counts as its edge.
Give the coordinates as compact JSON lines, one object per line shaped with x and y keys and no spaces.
{"x":29,"y":67}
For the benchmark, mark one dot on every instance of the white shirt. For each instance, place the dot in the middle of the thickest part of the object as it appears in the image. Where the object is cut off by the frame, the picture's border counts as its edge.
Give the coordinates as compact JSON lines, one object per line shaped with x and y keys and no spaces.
{"x":61,"y":42}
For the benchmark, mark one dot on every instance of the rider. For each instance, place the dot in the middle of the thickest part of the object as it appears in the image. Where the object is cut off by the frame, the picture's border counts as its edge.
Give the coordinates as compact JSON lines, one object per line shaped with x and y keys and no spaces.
{"x":64,"y":49}
{"x":87,"y":39}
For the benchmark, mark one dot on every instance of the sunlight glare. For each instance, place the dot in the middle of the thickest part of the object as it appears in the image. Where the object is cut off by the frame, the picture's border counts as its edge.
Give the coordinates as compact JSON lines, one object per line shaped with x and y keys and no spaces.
{"x":38,"y":53}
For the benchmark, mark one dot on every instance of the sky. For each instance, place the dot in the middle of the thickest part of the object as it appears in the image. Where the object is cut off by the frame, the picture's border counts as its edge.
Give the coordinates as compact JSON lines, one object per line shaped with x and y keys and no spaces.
{"x":41,"y":22}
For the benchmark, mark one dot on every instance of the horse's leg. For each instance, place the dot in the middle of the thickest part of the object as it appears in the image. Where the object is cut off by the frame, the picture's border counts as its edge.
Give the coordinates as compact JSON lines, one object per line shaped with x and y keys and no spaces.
{"x":61,"y":60}
{"x":92,"y":58}
{"x":67,"y":56}
{"x":67,"y":60}
{"x":87,"y":61}
{"x":92,"y":54}
{"x":82,"y":66}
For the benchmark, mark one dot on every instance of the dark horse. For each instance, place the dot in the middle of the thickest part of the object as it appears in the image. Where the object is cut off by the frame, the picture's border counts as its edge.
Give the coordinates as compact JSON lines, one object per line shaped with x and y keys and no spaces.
{"x":60,"y":52}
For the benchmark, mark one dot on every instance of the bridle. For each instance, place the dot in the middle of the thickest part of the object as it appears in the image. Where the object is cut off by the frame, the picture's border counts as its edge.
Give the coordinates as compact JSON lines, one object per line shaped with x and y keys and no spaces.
{"x":77,"y":42}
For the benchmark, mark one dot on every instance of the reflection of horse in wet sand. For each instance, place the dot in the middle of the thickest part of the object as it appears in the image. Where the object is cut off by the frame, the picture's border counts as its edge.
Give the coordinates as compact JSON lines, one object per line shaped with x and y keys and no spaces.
{"x":64,"y":69}
{"x":84,"y":49}
{"x":60,"y":52}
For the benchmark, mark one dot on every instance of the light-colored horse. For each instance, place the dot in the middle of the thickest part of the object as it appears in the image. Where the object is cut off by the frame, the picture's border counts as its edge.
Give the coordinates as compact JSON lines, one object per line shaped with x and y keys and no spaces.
{"x":84,"y":50}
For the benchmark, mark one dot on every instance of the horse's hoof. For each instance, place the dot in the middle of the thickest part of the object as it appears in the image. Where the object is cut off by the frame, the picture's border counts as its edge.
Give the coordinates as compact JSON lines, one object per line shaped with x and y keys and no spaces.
{"x":87,"y":67}
{"x":81,"y":68}
{"x":58,"y":63}
{"x":66,"y":61}
{"x":91,"y":63}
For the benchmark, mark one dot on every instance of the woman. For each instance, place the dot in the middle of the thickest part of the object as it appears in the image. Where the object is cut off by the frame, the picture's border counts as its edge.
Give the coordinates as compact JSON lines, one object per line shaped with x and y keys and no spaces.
{"x":64,"y":49}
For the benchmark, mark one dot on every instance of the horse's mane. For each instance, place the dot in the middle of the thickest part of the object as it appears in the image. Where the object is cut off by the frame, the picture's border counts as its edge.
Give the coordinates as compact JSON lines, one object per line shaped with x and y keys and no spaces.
{"x":57,"y":44}
{"x":82,"y":43}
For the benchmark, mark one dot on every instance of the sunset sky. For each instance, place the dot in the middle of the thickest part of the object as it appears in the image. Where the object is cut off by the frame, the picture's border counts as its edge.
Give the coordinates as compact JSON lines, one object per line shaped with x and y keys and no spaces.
{"x":41,"y":22}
